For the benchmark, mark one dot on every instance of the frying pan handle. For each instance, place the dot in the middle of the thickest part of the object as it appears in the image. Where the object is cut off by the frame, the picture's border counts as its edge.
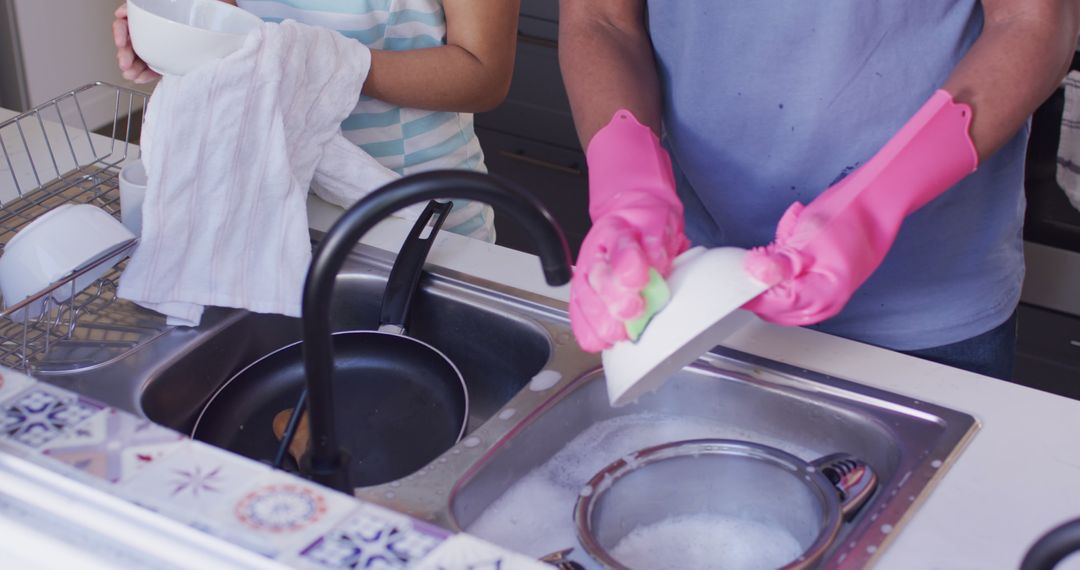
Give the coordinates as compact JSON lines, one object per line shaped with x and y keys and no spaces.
{"x":409,"y":266}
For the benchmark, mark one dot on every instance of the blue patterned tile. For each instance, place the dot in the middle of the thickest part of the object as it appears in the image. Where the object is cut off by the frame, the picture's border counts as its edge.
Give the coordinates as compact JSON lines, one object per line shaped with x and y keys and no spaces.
{"x":368,"y":540}
{"x":41,"y":414}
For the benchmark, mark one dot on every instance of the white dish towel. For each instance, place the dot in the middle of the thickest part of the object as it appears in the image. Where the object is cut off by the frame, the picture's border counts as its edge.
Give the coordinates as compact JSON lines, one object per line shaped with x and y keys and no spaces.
{"x":1068,"y":158}
{"x":230,"y":151}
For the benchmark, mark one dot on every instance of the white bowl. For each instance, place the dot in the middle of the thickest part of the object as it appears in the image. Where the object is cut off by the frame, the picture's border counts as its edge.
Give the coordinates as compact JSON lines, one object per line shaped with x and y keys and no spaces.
{"x":62,"y":240}
{"x":175,"y":36}
{"x":132,"y":193}
{"x":707,"y":287}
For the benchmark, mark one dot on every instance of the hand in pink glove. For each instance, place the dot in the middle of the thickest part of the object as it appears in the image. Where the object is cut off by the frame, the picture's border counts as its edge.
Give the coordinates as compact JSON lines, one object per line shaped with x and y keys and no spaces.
{"x":637,"y":225}
{"x":823,"y":252}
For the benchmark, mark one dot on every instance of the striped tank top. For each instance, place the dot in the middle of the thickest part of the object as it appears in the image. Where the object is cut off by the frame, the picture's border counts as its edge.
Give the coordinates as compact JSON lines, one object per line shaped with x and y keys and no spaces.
{"x":402,"y":139}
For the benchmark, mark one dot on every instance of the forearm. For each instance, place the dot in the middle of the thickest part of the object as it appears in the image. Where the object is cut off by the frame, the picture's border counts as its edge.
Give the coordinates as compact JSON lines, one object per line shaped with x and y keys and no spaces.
{"x":471,"y":73}
{"x":607,"y":64}
{"x":1017,"y":62}
{"x":445,"y":78}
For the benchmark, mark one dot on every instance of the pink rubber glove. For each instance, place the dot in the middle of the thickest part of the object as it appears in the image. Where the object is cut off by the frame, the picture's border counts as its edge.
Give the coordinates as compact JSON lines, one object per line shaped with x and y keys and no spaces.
{"x":823,"y":252}
{"x":637,"y":225}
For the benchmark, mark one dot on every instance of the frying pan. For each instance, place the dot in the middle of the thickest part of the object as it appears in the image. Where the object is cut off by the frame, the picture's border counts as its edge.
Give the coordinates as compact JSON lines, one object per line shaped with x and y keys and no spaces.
{"x":399,"y":401}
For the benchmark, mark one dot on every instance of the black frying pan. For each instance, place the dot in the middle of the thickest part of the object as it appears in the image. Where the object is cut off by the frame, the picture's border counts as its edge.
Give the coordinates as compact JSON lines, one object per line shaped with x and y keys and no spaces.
{"x":399,"y":402}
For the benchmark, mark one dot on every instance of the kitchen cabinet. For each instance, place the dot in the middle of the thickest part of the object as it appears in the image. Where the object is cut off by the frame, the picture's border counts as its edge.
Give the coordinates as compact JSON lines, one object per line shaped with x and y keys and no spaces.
{"x":530,"y":138}
{"x":553,"y":174}
{"x":540,"y":19}
{"x":1048,"y":351}
{"x":1048,"y":340}
{"x":537,"y":106}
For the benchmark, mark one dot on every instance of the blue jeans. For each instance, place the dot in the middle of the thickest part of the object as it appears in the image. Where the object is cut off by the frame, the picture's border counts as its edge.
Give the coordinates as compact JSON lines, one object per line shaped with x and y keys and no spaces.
{"x":990,"y":354}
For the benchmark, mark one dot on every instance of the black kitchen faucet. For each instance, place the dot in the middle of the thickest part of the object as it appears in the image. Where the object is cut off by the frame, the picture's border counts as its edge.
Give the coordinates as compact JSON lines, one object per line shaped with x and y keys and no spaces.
{"x":328,"y":462}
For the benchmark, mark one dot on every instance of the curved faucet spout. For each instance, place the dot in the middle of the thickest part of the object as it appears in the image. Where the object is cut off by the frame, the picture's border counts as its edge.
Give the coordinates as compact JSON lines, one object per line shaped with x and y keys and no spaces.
{"x":329,"y":465}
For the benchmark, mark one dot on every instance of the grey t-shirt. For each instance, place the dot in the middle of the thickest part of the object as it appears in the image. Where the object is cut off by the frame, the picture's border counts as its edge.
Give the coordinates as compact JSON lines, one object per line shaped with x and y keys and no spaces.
{"x":769,"y":102}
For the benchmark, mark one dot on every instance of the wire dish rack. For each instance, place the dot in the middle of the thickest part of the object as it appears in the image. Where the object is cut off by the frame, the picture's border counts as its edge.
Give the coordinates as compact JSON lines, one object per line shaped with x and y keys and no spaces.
{"x":52,"y":155}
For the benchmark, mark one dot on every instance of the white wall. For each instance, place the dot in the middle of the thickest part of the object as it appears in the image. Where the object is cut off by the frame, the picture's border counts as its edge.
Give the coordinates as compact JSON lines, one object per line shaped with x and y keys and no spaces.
{"x":65,"y":44}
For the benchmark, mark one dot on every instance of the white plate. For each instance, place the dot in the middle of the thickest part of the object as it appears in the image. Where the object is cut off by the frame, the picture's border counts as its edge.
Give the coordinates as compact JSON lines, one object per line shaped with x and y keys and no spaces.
{"x":707,"y":288}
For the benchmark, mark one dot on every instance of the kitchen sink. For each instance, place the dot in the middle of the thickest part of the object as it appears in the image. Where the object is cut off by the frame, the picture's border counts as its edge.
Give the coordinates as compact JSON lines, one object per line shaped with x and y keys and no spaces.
{"x":533,"y":393}
{"x":171,"y":379}
{"x":728,"y":395}
{"x":463,"y":331}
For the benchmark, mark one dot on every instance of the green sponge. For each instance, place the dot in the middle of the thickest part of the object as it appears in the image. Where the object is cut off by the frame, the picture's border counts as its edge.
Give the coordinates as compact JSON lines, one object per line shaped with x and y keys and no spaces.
{"x":656,"y":295}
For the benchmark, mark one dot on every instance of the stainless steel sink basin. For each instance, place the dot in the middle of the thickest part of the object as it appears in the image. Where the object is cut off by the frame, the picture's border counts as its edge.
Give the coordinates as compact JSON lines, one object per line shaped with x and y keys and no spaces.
{"x":170,"y":381}
{"x":725,"y":395}
{"x":447,"y":321}
{"x":532,"y":392}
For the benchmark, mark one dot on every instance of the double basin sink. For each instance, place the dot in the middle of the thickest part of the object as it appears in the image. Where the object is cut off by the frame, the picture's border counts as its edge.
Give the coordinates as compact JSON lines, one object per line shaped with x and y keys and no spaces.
{"x":532,"y":392}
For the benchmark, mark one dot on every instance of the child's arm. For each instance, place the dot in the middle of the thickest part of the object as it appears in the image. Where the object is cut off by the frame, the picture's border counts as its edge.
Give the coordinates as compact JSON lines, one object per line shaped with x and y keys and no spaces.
{"x":131,"y":67}
{"x":471,"y":73}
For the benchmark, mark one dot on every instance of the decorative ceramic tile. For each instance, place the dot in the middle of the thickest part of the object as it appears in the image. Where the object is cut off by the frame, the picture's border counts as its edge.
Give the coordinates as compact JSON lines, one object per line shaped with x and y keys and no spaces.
{"x":112,"y":445}
{"x":194,"y":480}
{"x":40,"y":414}
{"x":12,"y":382}
{"x":466,"y":552}
{"x":280,"y":514}
{"x":281,"y":507}
{"x":368,"y":539}
{"x":243,"y":501}
{"x":437,"y":533}
{"x":379,"y":511}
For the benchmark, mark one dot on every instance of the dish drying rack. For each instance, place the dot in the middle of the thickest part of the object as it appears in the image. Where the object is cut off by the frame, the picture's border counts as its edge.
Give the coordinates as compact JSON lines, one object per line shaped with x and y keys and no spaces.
{"x":51,"y":156}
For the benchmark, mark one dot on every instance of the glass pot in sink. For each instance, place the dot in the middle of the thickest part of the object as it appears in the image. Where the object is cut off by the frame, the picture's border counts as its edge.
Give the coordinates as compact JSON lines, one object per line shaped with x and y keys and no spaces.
{"x":718,"y":503}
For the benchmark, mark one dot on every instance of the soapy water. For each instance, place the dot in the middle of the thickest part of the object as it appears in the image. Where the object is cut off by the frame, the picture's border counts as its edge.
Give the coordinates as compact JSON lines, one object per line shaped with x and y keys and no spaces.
{"x":707,"y":541}
{"x":544,"y":380}
{"x":534,"y":516}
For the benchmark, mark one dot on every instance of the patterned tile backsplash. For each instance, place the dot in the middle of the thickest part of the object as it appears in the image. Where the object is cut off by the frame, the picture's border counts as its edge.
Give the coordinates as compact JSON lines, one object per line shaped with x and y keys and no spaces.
{"x":113,"y":445}
{"x":245,"y":502}
{"x":192,"y":480}
{"x":40,"y":414}
{"x":373,"y":537}
{"x":281,"y":514}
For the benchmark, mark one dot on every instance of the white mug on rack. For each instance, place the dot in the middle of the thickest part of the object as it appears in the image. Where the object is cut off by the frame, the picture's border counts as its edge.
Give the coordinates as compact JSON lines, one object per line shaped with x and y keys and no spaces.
{"x":132,"y":192}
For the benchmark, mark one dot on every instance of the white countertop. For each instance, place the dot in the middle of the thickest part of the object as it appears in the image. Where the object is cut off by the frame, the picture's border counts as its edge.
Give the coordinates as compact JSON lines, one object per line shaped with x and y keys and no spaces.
{"x":1019,"y":476}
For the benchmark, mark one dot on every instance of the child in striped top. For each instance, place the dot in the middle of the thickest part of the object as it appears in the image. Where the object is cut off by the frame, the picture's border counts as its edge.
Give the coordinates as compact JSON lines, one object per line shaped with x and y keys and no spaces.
{"x":433,"y":64}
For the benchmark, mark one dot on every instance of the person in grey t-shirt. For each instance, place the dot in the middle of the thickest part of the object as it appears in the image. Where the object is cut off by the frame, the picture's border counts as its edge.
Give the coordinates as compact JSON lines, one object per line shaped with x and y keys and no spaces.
{"x":870,"y":152}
